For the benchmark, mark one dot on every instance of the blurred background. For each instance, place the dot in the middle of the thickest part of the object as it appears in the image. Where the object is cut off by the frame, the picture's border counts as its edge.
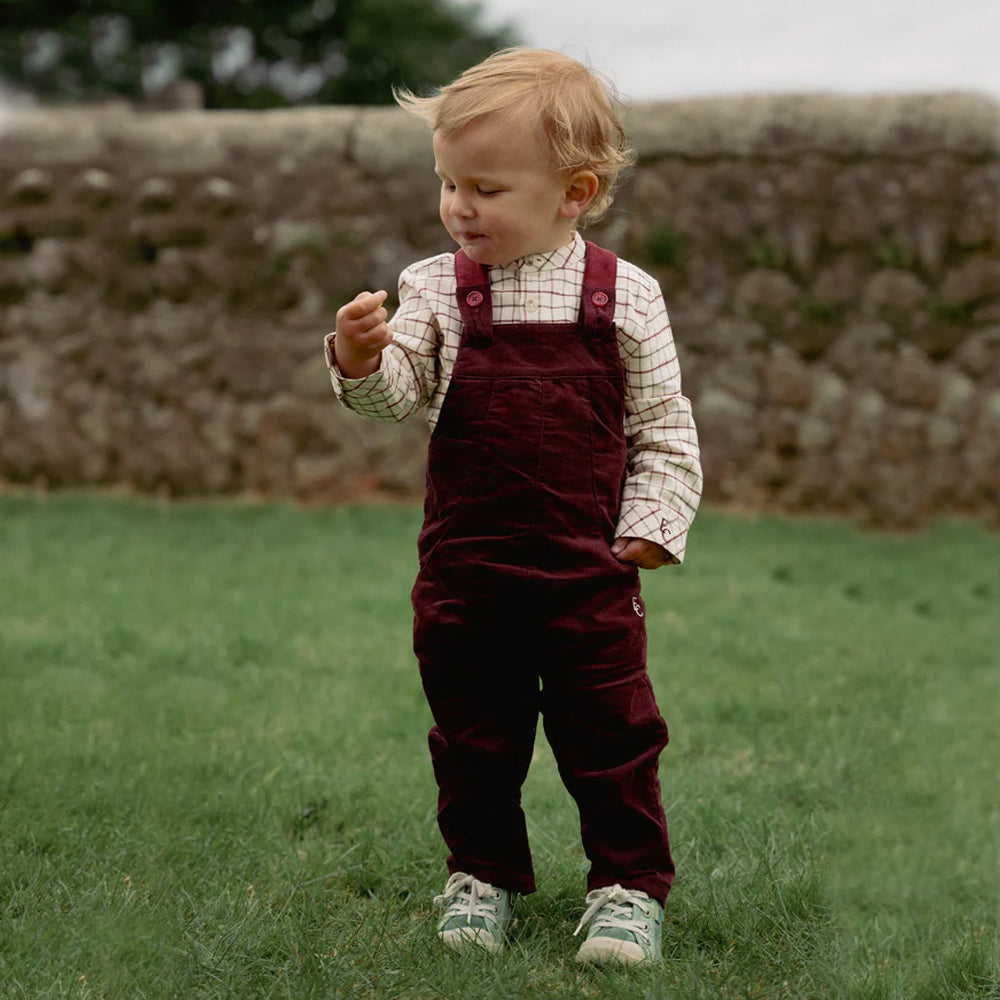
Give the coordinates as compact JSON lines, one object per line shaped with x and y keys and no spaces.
{"x":188,"y":192}
{"x":681,"y":48}
{"x":263,"y":54}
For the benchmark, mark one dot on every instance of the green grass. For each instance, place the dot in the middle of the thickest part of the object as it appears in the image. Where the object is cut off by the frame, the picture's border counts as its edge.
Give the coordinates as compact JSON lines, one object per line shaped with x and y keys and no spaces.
{"x":215,"y":781}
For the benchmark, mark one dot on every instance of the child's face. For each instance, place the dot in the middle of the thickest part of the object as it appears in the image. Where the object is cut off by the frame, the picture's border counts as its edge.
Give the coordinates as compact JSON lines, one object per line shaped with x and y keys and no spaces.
{"x":501,"y":198}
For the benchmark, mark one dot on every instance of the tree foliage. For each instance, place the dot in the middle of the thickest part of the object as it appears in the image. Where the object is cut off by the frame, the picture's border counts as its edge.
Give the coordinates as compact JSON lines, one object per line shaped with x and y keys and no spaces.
{"x":243,"y":53}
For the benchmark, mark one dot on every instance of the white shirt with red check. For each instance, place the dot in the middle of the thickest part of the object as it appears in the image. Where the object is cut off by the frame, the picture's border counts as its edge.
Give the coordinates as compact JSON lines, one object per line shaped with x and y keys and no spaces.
{"x":664,"y":479}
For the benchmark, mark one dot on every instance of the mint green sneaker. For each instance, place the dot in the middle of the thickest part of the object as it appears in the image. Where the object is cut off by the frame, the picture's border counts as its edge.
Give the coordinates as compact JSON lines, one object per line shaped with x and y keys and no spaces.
{"x":476,"y":914}
{"x":625,"y":925}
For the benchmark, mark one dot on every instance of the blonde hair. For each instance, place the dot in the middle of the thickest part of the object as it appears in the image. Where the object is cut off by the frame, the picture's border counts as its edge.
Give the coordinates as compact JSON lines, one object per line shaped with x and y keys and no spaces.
{"x":578,"y":111}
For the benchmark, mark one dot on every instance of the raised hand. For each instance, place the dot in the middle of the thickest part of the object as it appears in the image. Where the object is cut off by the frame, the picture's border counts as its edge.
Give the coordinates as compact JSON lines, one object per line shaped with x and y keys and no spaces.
{"x":362,"y":333}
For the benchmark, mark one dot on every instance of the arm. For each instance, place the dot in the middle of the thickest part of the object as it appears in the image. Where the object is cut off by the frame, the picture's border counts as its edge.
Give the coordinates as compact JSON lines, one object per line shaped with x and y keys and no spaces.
{"x":664,"y":478}
{"x":385,"y":370}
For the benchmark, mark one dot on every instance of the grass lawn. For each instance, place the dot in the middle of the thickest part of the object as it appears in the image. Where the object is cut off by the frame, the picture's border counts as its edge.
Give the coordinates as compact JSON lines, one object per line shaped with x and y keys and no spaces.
{"x":215,"y":781}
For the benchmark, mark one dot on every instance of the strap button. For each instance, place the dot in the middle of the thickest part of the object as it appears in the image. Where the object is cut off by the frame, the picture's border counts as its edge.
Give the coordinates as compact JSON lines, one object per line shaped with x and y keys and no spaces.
{"x":600,"y":299}
{"x":474,"y":299}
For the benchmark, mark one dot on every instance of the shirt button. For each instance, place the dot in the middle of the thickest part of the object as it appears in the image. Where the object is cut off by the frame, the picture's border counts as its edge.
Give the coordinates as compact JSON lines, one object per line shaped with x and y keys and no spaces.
{"x":531,"y":305}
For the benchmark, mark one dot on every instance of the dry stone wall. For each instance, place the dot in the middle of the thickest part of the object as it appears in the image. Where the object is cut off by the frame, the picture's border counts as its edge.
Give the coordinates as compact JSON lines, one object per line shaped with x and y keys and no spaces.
{"x":831,"y":265}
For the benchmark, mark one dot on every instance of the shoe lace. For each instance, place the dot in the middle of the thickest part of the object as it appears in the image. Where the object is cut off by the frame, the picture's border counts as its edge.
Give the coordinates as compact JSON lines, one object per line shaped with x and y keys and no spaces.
{"x":465,"y":896}
{"x":615,"y":907}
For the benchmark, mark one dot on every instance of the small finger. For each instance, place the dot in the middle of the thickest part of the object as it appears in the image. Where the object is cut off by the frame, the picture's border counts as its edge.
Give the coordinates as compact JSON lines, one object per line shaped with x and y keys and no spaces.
{"x":363,"y":304}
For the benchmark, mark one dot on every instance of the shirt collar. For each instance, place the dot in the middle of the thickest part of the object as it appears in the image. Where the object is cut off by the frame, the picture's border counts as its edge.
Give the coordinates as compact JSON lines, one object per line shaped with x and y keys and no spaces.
{"x":572,"y":251}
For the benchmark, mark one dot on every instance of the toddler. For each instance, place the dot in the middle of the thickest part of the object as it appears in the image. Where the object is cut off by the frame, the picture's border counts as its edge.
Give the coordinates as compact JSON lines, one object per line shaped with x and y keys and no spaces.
{"x":563,"y":457}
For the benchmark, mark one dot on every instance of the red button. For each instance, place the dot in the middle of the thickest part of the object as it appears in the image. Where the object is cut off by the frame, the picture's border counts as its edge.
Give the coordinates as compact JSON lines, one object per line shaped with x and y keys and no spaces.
{"x":600,"y":299}
{"x":474,"y":299}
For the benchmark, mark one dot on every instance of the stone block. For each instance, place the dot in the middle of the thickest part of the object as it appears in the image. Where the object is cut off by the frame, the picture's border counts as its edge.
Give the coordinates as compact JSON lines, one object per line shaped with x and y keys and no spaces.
{"x":915,"y":379}
{"x":779,"y":430}
{"x":217,"y":195}
{"x":893,"y":293}
{"x":979,"y":355}
{"x":156,"y":194}
{"x":863,"y":353}
{"x":95,"y":188}
{"x":726,"y":425}
{"x":50,"y":265}
{"x":14,"y":280}
{"x":904,"y":436}
{"x":31,"y":186}
{"x":766,"y":292}
{"x":974,"y":280}
{"x":788,"y":381}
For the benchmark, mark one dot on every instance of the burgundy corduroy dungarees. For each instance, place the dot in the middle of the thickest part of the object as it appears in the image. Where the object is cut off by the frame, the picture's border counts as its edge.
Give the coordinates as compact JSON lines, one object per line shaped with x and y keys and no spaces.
{"x":519,"y":605}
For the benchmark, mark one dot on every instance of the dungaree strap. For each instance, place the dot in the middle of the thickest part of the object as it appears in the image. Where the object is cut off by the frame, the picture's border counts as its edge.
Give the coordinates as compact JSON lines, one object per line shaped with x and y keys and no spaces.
{"x":597,"y":304}
{"x":474,"y":301}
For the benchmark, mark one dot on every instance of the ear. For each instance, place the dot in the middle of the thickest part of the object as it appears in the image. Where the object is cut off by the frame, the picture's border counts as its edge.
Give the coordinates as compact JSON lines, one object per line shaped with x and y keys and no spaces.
{"x":581,"y":189}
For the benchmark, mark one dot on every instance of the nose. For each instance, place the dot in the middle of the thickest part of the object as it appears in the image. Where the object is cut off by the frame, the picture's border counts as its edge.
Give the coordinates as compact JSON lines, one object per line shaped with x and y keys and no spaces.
{"x":460,"y":207}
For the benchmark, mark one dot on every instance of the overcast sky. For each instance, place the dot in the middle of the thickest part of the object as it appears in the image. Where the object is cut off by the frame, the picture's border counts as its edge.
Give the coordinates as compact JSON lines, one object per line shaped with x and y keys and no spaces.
{"x":682,"y":48}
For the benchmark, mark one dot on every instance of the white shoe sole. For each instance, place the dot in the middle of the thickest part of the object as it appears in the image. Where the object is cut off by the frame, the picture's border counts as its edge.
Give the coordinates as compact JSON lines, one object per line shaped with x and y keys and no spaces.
{"x":471,"y":939}
{"x":603,"y":949}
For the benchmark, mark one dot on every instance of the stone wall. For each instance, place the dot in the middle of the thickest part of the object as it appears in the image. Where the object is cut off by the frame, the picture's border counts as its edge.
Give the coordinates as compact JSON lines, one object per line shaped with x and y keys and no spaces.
{"x":832,"y":268}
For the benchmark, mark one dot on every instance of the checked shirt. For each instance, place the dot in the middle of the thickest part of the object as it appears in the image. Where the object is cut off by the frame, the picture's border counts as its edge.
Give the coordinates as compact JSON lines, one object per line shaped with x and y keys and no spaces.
{"x":663,"y":485}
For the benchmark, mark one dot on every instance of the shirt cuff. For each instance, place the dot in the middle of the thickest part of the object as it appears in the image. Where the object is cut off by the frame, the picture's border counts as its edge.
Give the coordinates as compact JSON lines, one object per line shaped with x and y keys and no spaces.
{"x":343,"y":387}
{"x":655,"y":524}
